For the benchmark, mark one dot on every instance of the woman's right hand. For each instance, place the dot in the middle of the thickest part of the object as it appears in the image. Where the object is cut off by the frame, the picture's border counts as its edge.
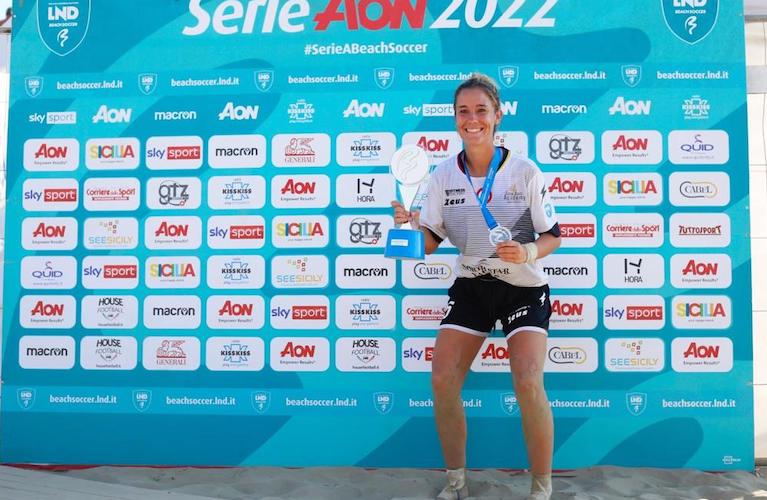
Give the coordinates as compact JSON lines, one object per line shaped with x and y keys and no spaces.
{"x":402,"y":216}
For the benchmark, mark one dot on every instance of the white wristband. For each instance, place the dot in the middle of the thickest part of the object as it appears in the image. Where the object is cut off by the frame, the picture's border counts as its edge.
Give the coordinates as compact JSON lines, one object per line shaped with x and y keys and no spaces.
{"x":532,"y":252}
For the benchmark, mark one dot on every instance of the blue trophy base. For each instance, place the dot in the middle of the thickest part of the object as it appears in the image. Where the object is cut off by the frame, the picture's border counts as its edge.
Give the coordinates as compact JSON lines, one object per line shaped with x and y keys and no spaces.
{"x":405,"y":244}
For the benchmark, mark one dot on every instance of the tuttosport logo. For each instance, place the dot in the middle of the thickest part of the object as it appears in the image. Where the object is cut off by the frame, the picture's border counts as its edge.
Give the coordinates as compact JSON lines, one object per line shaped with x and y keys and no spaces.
{"x":571,"y":147}
{"x":570,"y":270}
{"x":632,"y":230}
{"x":173,"y":193}
{"x":110,"y":233}
{"x":365,"y":190}
{"x":699,"y":147}
{"x":297,"y":271}
{"x":231,"y":192}
{"x":46,"y":352}
{"x":633,"y":271}
{"x":109,"y":312}
{"x":571,"y":189}
{"x":417,"y":354}
{"x":632,"y":189}
{"x":50,"y":195}
{"x":436,"y":272}
{"x":301,"y":150}
{"x":109,"y":272}
{"x":634,"y":355}
{"x":701,"y":311}
{"x":234,"y":354}
{"x":47,"y":311}
{"x":54,"y":233}
{"x":51,"y":155}
{"x":366,"y":312}
{"x":299,"y":354}
{"x":300,"y":231}
{"x":235,"y":271}
{"x":571,"y":355}
{"x":360,"y":271}
{"x":423,"y":312}
{"x":439,"y":146}
{"x":699,"y":189}
{"x":119,"y":153}
{"x":112,"y":194}
{"x":700,"y":230}
{"x":174,"y":153}
{"x":174,"y":312}
{"x":573,"y":312}
{"x":632,"y":147}
{"x":300,"y":312}
{"x":237,"y":151}
{"x":366,"y":354}
{"x":701,"y":271}
{"x":173,"y":233}
{"x":634,"y":312}
{"x":702,"y":354}
{"x":300,"y":191}
{"x":235,"y":312}
{"x":48,"y":273}
{"x":578,"y":230}
{"x":171,"y":353}
{"x":362,"y":150}
{"x":247,"y":231}
{"x":172,"y":272}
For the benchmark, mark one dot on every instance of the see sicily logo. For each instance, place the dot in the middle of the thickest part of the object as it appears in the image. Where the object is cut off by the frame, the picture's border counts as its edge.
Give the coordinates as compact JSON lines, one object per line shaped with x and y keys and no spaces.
{"x":63,"y":25}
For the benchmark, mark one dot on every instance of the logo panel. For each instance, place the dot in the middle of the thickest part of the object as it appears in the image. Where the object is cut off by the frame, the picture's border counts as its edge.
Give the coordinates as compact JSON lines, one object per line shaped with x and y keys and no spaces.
{"x":699,"y":189}
{"x":699,"y":147}
{"x":633,"y":270}
{"x":492,"y":357}
{"x":108,"y":353}
{"x":634,"y":312}
{"x":300,"y":312}
{"x":573,"y":312}
{"x":699,"y":354}
{"x":109,"y":312}
{"x":46,"y":352}
{"x":51,"y":155}
{"x":570,"y":270}
{"x":363,"y":231}
{"x":171,"y":353}
{"x":47,"y":311}
{"x":516,"y":142}
{"x":173,"y":233}
{"x":234,"y":354}
{"x":174,"y":153}
{"x":300,"y":231}
{"x":712,"y":312}
{"x":173,"y":193}
{"x":632,"y":147}
{"x":236,"y":271}
{"x":172,"y":312}
{"x":300,"y":271}
{"x":300,"y":191}
{"x":439,"y":146}
{"x":571,"y":189}
{"x":365,"y":150}
{"x":571,"y":355}
{"x":634,"y":355}
{"x":50,"y":195}
{"x":235,"y":312}
{"x":120,"y":153}
{"x":366,"y":354}
{"x":172,"y":272}
{"x":578,"y":230}
{"x":564,"y":148}
{"x":299,"y":354}
{"x":417,"y":354}
{"x":112,"y":194}
{"x":110,"y":272}
{"x":701,"y":270}
{"x":424,"y":312}
{"x":365,"y":191}
{"x":633,"y":189}
{"x":231,"y":192}
{"x":365,"y":312}
{"x":301,"y":150}
{"x":365,"y":271}
{"x":118,"y":233}
{"x":48,"y":273}
{"x":436,"y":272}
{"x":245,"y":231}
{"x":700,"y":230}
{"x":237,"y":151}
{"x":632,"y":230}
{"x":54,"y":233}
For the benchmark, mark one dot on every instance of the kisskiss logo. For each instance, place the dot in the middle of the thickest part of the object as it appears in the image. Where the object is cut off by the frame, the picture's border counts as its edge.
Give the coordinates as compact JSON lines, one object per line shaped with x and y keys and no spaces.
{"x":375,"y":312}
{"x":493,"y":356}
{"x":235,"y":312}
{"x":696,"y":108}
{"x":117,"y":272}
{"x":710,"y":354}
{"x":54,"y":195}
{"x":636,"y":147}
{"x":634,"y":355}
{"x":236,"y":232}
{"x":55,"y":233}
{"x":439,"y":146}
{"x":300,"y":354}
{"x":572,"y":188}
{"x":109,"y":312}
{"x":51,"y":155}
{"x":248,"y":191}
{"x":573,"y":312}
{"x":373,"y":149}
{"x":633,"y":189}
{"x":177,"y":153}
{"x":47,"y":311}
{"x":701,"y":271}
{"x":48,"y":272}
{"x":172,"y":312}
{"x":300,"y":191}
{"x":112,"y":193}
{"x":629,"y":312}
{"x":702,"y":311}
{"x":365,"y":354}
{"x":700,"y":230}
{"x":310,"y":231}
{"x":417,"y":354}
{"x":110,"y":233}
{"x":171,"y":353}
{"x":177,"y":193}
{"x":632,"y":230}
{"x":112,"y":154}
{"x":172,"y":272}
{"x":305,"y":150}
{"x":173,"y":232}
{"x":228,"y":353}
{"x":310,"y":312}
{"x":229,"y":271}
{"x":301,"y":111}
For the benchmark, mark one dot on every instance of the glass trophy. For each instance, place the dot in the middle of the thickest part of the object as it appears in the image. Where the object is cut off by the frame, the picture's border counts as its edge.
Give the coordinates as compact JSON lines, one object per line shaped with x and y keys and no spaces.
{"x":410,"y":167}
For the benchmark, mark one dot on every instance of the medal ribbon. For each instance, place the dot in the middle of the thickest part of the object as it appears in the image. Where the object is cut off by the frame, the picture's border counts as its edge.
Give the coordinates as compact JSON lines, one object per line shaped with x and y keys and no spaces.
{"x":484,"y":196}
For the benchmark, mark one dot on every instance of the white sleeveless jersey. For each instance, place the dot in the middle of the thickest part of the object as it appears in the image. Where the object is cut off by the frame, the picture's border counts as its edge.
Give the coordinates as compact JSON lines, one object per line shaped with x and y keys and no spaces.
{"x":519,"y":201}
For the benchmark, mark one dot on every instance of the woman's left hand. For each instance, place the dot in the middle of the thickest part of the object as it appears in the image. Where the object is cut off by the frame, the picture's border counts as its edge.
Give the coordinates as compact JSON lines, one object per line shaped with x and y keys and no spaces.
{"x":511,"y":251}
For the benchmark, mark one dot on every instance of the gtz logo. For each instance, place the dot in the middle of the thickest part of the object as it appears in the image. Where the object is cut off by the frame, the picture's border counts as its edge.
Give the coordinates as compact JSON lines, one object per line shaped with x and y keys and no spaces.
{"x":690,"y":20}
{"x":62,"y":25}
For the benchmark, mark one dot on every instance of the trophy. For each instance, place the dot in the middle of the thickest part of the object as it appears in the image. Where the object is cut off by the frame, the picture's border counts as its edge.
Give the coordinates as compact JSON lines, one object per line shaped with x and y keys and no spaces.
{"x":410,"y":167}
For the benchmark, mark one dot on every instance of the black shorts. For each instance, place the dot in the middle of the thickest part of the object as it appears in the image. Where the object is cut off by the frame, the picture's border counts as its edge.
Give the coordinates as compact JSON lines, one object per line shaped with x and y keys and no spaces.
{"x":476,"y":304}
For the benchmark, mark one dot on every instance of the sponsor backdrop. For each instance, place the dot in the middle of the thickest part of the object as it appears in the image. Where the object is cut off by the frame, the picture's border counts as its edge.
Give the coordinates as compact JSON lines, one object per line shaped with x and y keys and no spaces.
{"x":200,"y":196}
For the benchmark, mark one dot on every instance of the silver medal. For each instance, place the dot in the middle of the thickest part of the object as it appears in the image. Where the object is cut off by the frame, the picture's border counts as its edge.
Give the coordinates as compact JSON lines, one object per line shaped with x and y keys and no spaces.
{"x":499,"y":234}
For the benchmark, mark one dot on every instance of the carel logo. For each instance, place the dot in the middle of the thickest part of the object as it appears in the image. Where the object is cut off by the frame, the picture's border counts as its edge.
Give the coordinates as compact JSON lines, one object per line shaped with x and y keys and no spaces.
{"x":571,"y":147}
{"x":699,"y":189}
{"x":710,"y":354}
{"x":439,"y":146}
{"x":573,"y":312}
{"x":632,"y":147}
{"x":701,"y":271}
{"x":174,"y":153}
{"x":50,"y":195}
{"x":238,"y":112}
{"x":54,"y":233}
{"x":300,"y":191}
{"x":51,"y":155}
{"x":235,"y":312}
{"x":578,"y":230}
{"x":364,"y":110}
{"x":310,"y":312}
{"x":493,"y":356}
{"x":306,"y":354}
{"x":105,"y":114}
{"x":436,"y":272}
{"x":571,"y":189}
{"x":121,"y":153}
{"x":236,"y":231}
{"x":630,"y":107}
{"x":630,"y":312}
{"x":109,"y":272}
{"x":417,"y":354}
{"x":47,"y":311}
{"x":701,"y":311}
{"x":571,"y":355}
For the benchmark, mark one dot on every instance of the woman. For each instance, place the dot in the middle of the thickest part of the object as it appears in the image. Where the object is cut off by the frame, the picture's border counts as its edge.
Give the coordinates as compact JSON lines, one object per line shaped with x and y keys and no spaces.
{"x":497,"y":278}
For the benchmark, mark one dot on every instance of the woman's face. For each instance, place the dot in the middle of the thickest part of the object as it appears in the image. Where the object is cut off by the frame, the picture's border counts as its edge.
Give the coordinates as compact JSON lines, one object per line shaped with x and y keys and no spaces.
{"x":476,"y":117}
